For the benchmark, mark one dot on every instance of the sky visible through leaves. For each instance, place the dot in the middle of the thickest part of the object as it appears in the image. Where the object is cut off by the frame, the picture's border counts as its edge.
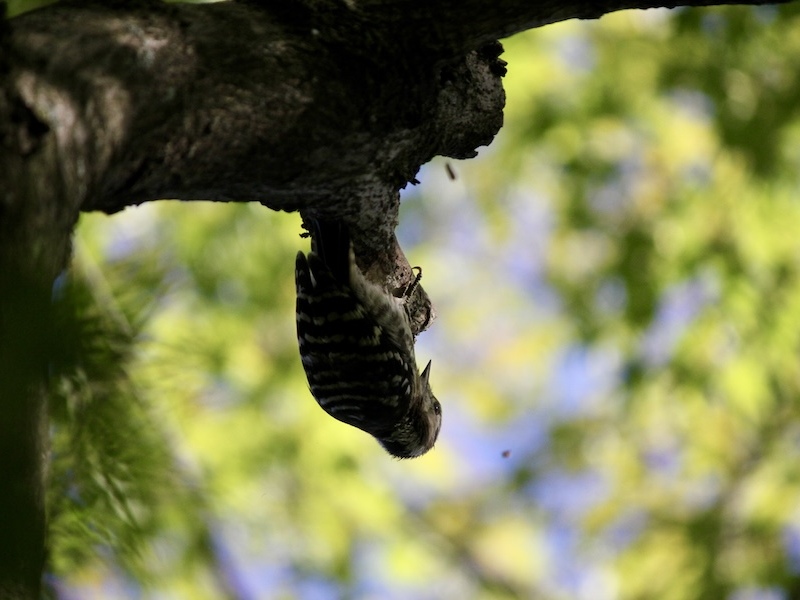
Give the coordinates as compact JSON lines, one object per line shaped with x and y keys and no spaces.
{"x":617,"y":284}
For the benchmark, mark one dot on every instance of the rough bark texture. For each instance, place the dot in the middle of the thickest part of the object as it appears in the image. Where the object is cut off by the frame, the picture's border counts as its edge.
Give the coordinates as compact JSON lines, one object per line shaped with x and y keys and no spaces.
{"x":324,"y":106}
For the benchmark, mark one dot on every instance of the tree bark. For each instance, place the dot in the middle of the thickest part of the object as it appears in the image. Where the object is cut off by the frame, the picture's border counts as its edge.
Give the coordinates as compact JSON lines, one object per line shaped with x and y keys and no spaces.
{"x":328,"y":107}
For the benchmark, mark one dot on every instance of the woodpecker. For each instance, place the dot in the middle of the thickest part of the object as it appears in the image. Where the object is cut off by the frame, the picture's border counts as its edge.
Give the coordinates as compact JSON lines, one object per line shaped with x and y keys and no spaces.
{"x":357,"y":347}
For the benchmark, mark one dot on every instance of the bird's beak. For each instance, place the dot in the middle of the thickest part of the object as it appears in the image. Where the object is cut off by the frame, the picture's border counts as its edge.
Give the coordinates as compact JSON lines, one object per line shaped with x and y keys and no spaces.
{"x":426,"y":373}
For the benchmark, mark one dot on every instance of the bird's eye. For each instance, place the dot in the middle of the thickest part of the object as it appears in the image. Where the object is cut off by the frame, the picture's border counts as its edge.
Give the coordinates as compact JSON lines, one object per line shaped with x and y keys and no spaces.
{"x":437,"y":408}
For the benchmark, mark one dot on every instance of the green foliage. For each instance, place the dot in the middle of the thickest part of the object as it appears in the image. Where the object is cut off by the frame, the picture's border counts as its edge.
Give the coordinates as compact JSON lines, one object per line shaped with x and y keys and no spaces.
{"x":617,"y":283}
{"x":109,"y":467}
{"x":662,"y":146}
{"x":16,"y":7}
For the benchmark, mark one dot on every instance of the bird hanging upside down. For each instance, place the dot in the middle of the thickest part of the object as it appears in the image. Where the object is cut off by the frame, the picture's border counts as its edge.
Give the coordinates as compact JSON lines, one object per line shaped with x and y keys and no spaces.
{"x":357,"y":348}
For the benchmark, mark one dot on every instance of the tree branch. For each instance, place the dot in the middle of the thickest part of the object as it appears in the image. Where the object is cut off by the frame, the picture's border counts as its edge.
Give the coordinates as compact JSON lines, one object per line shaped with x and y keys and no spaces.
{"x":327,"y":106}
{"x":465,"y":25}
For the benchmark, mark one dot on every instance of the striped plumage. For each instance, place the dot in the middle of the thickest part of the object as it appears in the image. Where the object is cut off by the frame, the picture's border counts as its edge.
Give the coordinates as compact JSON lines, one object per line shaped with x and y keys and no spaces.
{"x":357,"y":348}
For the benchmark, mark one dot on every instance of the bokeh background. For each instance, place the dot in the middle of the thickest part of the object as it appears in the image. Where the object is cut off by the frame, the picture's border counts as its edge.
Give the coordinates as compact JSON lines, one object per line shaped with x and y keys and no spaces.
{"x":617,"y":282}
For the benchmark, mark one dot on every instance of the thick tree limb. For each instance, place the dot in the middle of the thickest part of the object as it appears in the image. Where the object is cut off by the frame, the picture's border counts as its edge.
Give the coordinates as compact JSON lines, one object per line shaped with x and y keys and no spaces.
{"x":331,"y":105}
{"x":235,"y":102}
